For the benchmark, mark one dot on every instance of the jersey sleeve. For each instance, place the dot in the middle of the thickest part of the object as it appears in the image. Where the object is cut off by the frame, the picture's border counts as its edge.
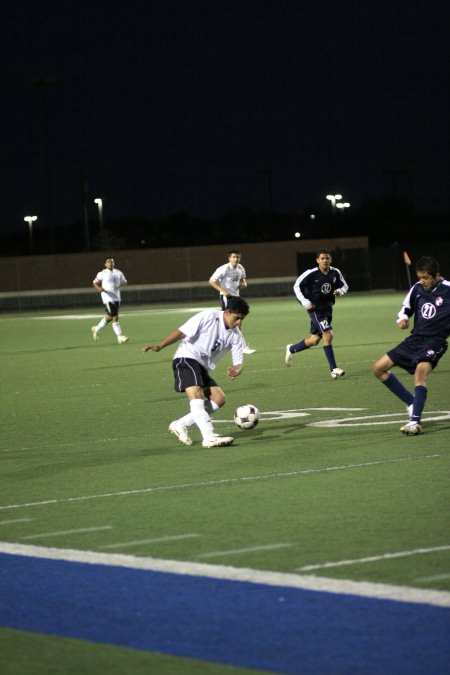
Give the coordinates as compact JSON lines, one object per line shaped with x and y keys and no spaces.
{"x":342,"y":285}
{"x":407,"y":309}
{"x":299,"y":288}
{"x":218,"y":274}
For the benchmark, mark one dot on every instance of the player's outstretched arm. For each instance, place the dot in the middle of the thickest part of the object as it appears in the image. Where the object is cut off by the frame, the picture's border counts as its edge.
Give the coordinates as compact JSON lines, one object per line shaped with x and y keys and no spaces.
{"x":234,"y":371}
{"x":169,"y":340}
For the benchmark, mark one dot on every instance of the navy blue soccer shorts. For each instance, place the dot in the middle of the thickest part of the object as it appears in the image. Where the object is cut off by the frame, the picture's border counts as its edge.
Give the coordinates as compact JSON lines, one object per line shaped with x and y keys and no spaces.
{"x":190,"y":373}
{"x":416,"y":349}
{"x":321,"y":318}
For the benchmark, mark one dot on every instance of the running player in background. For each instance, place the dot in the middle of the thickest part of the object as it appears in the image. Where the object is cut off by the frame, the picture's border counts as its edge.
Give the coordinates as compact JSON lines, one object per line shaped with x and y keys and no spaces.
{"x":228,"y":279}
{"x":316,"y":290}
{"x":108,"y":283}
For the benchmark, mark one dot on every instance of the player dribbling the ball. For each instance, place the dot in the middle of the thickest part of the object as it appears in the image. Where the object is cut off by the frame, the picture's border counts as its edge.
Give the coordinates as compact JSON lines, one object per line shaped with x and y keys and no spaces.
{"x":205,"y":338}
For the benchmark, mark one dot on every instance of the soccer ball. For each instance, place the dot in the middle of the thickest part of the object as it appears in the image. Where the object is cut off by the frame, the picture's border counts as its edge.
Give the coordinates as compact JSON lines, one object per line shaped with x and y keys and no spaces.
{"x":246,"y":416}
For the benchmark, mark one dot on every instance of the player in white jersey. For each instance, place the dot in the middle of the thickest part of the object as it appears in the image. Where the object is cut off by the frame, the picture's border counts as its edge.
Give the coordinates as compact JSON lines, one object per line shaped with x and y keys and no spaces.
{"x":205,"y":339}
{"x":108,"y":283}
{"x":228,"y":279}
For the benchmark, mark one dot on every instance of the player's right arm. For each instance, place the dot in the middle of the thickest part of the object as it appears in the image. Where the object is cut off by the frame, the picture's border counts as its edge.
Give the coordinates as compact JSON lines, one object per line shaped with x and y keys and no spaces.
{"x":298,"y":291}
{"x":169,"y":340}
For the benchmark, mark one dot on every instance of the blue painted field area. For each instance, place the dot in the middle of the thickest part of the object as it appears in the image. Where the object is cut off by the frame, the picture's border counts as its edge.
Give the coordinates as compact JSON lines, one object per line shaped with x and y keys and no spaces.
{"x":284,"y":630}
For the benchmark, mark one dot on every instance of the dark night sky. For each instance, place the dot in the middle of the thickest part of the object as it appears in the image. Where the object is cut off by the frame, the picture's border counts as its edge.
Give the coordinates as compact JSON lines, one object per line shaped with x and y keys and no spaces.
{"x":183,"y":105}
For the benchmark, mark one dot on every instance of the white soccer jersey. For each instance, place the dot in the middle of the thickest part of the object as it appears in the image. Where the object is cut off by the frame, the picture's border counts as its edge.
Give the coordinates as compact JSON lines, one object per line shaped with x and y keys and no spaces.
{"x":111,"y":281}
{"x":229,"y":277}
{"x":208,"y":340}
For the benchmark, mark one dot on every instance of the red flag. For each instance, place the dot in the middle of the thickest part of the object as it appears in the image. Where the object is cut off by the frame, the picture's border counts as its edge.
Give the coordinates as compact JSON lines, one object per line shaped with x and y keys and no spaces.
{"x":406,"y":258}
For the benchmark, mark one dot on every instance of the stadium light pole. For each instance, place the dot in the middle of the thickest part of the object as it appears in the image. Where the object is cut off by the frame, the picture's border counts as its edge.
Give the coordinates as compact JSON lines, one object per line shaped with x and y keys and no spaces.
{"x":30,"y":220}
{"x":99,"y":202}
{"x":342,"y":206}
{"x":333,"y":199}
{"x":44,"y":83}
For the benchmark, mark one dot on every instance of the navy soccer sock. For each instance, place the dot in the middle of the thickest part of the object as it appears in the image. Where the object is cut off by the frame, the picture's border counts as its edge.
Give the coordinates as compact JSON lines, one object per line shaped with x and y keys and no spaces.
{"x":299,"y":347}
{"x":420,"y":396}
{"x":329,"y":353}
{"x":397,"y":388}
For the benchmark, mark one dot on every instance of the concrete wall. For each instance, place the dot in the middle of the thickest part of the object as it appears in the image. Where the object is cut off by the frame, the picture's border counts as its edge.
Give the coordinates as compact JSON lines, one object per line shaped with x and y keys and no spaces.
{"x":162,"y":265}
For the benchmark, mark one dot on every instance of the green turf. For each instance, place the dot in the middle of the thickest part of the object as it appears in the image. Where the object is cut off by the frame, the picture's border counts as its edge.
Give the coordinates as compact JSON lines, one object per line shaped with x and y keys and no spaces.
{"x":84,"y":427}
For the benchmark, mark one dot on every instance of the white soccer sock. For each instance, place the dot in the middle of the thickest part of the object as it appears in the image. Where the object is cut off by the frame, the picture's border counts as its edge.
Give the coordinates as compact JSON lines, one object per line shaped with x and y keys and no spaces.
{"x":188,"y":420}
{"x":201,"y":418}
{"x":116,"y":328}
{"x":211,"y":407}
{"x":101,"y":324}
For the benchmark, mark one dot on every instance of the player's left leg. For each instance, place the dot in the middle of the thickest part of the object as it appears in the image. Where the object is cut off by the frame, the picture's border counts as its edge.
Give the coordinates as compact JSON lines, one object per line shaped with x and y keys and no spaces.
{"x":117,"y":327}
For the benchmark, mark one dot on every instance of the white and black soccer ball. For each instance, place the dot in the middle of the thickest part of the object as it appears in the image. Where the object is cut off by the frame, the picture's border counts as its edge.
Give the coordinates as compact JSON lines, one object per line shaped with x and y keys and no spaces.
{"x":246,"y":416}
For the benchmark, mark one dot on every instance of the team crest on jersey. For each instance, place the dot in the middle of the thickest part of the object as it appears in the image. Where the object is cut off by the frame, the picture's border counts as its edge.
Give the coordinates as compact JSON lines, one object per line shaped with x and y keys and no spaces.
{"x":326,"y":288}
{"x":439,"y":301}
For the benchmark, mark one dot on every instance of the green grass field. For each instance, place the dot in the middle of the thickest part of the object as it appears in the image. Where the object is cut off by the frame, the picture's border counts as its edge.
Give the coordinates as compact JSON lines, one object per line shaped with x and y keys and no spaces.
{"x":325,"y":478}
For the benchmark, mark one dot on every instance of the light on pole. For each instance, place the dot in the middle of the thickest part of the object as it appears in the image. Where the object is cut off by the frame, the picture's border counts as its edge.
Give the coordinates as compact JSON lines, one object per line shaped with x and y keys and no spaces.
{"x":333,"y":199}
{"x":30,"y":220}
{"x":99,"y":203}
{"x":343,"y":206}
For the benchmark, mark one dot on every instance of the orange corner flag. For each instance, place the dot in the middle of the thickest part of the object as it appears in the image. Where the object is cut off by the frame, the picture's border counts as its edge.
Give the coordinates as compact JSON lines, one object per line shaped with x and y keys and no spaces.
{"x":406,"y":258}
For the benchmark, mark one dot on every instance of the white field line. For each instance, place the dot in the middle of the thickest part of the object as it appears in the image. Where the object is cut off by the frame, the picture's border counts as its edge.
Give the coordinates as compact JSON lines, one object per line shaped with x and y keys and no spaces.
{"x":435,"y":577}
{"x":372,"y":558}
{"x":157,"y":540}
{"x":15,"y":520}
{"x":277,"y":579}
{"x":251,"y":549}
{"x":64,"y":532}
{"x":97,"y":315}
{"x":223,"y":481}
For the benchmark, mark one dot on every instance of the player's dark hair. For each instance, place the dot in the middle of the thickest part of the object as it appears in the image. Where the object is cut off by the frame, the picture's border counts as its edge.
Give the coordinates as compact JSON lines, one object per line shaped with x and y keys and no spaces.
{"x":237,"y":305}
{"x":323,"y":250}
{"x":234,"y":250}
{"x":427,"y":264}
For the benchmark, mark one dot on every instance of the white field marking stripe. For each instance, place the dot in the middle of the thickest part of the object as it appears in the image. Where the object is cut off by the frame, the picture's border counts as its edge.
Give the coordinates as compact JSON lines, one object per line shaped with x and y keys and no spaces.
{"x":435,"y":577}
{"x":372,"y":558}
{"x":15,"y":520}
{"x":251,"y":549}
{"x":63,"y":532}
{"x":223,"y":481}
{"x":431,"y":416}
{"x":144,"y":313}
{"x":268,"y":578}
{"x":141,"y":542}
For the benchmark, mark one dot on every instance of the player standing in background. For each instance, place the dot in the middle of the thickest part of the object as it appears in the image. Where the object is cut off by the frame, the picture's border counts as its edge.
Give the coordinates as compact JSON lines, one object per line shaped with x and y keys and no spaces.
{"x":228,"y":279}
{"x":429,"y":301}
{"x":316,"y":290}
{"x":205,"y":338}
{"x":108,"y":282}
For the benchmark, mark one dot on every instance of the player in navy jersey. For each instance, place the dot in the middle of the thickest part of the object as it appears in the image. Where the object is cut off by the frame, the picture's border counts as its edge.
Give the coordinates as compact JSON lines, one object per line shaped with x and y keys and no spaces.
{"x":429,"y":302}
{"x":316,"y":290}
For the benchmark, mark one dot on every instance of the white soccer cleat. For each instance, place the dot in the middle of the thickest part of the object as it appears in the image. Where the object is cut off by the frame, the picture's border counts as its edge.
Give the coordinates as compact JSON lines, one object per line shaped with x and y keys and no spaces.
{"x":248,"y":350}
{"x":94,"y":333}
{"x":217,"y":441}
{"x":289,"y":356}
{"x":181,"y":432}
{"x":411,"y":429}
{"x":337,"y":372}
{"x":121,"y":339}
